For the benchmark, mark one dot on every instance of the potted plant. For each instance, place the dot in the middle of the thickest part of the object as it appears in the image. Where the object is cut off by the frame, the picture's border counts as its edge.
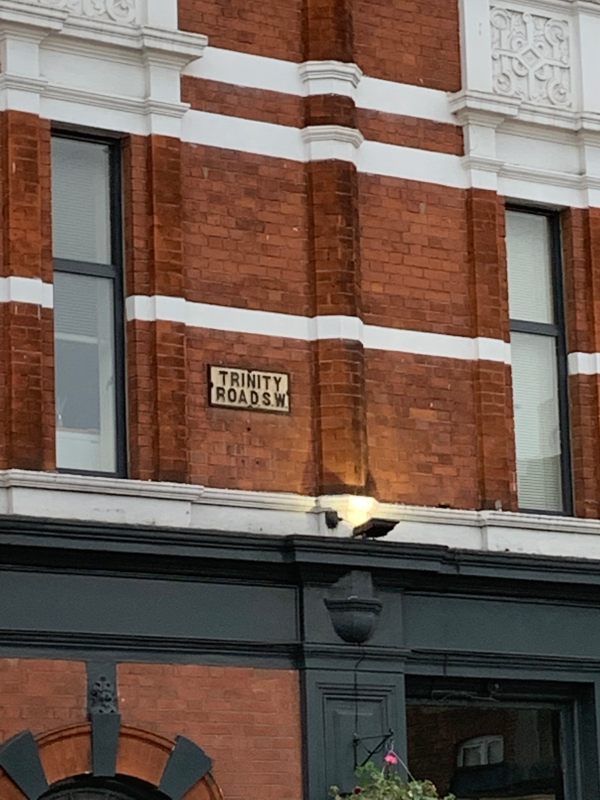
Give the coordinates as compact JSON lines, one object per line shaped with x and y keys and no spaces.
{"x":375,"y":783}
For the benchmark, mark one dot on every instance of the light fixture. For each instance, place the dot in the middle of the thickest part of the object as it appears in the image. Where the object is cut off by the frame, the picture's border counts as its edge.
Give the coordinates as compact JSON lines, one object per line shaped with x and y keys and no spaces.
{"x":374,"y":528}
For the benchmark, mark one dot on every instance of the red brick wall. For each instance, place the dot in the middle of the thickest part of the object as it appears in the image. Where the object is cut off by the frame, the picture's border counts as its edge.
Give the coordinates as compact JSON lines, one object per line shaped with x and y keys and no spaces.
{"x":155,"y":265}
{"x":246,"y":27}
{"x":40,"y":695}
{"x":26,"y":375}
{"x":236,"y":229}
{"x":493,"y":386}
{"x":245,"y":449}
{"x":422,"y":429}
{"x":414,"y":256}
{"x":379,"y":126}
{"x":413,"y":42}
{"x":243,"y":101}
{"x":245,"y":236}
{"x":581,"y":277}
{"x":294,"y":111}
{"x":247,"y":720}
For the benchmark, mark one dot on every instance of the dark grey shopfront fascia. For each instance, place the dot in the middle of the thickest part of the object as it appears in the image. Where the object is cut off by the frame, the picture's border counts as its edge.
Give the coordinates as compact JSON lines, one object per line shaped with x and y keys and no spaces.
{"x":512,"y":639}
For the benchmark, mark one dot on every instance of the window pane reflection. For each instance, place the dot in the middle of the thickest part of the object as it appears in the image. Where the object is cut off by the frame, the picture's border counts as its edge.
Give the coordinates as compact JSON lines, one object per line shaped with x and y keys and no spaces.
{"x":487,"y":752}
{"x":537,"y":421}
{"x":84,"y":373}
{"x":81,"y":201}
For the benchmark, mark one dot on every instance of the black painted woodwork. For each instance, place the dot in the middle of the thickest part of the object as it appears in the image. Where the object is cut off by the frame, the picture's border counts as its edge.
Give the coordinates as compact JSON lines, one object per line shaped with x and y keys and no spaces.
{"x":89,"y":788}
{"x":20,"y":759}
{"x":109,"y":593}
{"x":187,"y":765}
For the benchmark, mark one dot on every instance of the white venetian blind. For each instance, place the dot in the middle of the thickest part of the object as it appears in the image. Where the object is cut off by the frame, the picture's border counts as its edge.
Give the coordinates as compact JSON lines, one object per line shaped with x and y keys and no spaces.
{"x":537,"y":426}
{"x":84,"y":372}
{"x":534,"y":362}
{"x":530,"y":292}
{"x":80,"y":201}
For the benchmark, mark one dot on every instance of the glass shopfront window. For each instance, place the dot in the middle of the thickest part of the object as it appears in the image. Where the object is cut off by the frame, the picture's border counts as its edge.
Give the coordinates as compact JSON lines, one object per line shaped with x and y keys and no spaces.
{"x":486,"y":748}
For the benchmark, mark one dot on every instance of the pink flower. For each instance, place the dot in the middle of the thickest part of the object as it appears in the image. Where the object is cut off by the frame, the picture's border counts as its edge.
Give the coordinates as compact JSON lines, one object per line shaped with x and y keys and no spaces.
{"x":391,"y":758}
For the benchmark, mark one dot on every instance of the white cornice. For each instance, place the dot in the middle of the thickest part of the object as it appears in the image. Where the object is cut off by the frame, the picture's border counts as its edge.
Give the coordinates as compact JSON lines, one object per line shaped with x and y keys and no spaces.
{"x":330,"y":77}
{"x":264,"y":323}
{"x":192,"y":507}
{"x":14,"y":289}
{"x":287,"y":77}
{"x":114,"y":102}
{"x":309,"y":329}
{"x":30,"y":15}
{"x":553,"y":7}
{"x":59,"y":65}
{"x":324,"y":142}
{"x":485,"y":108}
{"x":584,"y":363}
{"x":177,"y":48}
{"x":482,"y":107}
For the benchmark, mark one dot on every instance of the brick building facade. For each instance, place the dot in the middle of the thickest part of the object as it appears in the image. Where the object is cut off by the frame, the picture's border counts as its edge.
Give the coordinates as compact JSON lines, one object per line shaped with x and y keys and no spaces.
{"x":392,"y":209}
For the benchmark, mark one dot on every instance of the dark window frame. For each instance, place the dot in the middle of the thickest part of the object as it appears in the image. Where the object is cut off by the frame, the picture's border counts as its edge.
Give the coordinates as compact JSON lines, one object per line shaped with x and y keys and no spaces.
{"x":117,"y":788}
{"x":115,"y":273}
{"x":577,"y":738}
{"x":556,"y":331}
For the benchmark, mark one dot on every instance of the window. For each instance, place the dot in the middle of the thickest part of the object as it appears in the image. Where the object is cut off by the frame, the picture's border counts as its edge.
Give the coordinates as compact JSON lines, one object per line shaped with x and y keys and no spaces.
{"x":539,"y":373}
{"x":88,"y":323}
{"x":481,"y":751}
{"x":477,"y":743}
{"x":88,"y":788}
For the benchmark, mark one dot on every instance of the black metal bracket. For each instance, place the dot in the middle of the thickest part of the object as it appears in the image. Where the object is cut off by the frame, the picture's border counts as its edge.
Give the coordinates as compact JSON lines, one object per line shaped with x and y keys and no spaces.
{"x":381,"y":741}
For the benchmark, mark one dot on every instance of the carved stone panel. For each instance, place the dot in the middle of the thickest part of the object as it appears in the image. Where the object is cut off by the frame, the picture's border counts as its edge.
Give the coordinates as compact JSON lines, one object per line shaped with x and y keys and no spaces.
{"x":123,"y":11}
{"x":531,"y":57}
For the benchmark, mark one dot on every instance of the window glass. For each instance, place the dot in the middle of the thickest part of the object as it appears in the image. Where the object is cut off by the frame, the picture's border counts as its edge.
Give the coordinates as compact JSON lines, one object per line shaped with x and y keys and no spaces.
{"x":89,"y":788}
{"x":537,"y":421}
{"x":525,"y":766}
{"x":529,"y":267}
{"x":81,"y":201}
{"x":84,"y":372}
{"x":538,"y":363}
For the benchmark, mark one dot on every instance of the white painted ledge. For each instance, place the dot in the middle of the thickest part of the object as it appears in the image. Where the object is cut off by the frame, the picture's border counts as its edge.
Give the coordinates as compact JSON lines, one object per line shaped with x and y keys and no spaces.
{"x":404,"y":99}
{"x":105,"y":500}
{"x":519,"y":181}
{"x":146,"y":308}
{"x":327,"y":142}
{"x":26,"y":290}
{"x":247,"y":70}
{"x":322,"y":77}
{"x":496,"y":531}
{"x":330,"y":77}
{"x":130,"y":502}
{"x":310,"y":329}
{"x":584,"y":363}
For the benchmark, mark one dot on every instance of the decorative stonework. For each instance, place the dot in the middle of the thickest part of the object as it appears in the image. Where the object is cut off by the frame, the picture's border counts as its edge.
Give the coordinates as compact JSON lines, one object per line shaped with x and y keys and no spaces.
{"x":103,"y":696}
{"x":123,"y":11}
{"x":531,"y":57}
